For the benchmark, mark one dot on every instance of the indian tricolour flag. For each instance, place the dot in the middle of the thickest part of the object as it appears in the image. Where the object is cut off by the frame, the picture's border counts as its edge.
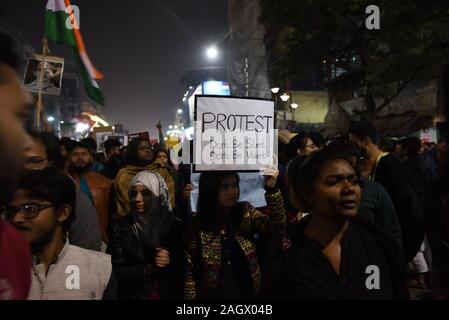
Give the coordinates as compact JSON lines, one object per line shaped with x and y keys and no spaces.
{"x":61,"y":27}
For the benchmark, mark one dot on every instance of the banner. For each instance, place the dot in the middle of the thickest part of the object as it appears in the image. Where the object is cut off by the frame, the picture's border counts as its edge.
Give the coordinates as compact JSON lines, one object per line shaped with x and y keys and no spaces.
{"x":233,"y":134}
{"x":251,"y":187}
{"x":133,"y":136}
{"x":101,"y":135}
{"x":53,"y":68}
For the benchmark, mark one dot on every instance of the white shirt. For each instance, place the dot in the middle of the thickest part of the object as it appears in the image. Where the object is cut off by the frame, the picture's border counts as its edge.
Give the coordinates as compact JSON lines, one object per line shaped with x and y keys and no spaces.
{"x":77,"y":274}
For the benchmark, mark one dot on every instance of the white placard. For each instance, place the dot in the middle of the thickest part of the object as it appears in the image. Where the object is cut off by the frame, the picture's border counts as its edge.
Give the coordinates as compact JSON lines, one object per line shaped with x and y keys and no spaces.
{"x":251,"y":189}
{"x":53,"y":69}
{"x":233,"y":134}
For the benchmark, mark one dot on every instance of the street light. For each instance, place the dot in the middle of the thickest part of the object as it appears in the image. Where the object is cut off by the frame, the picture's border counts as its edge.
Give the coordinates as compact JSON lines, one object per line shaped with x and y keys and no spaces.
{"x":212,"y":52}
{"x":275,"y":90}
{"x":51,"y":119}
{"x":285,"y":97}
{"x":294,"y":105}
{"x":179,"y":111}
{"x":170,"y":127}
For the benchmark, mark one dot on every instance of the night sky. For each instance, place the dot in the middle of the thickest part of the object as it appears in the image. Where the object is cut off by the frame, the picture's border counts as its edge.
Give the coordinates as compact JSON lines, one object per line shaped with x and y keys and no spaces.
{"x":142,"y":46}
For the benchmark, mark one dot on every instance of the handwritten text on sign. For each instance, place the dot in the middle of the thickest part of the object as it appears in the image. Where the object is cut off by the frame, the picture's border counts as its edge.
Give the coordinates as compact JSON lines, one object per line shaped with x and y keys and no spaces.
{"x":233,"y":133}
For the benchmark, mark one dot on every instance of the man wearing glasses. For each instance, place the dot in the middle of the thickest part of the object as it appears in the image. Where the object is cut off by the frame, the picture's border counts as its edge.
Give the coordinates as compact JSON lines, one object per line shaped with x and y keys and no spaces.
{"x":42,"y":211}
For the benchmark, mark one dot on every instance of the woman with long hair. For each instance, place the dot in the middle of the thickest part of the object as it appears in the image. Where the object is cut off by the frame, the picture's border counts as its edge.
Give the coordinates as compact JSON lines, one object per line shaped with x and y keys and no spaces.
{"x":222,"y":258}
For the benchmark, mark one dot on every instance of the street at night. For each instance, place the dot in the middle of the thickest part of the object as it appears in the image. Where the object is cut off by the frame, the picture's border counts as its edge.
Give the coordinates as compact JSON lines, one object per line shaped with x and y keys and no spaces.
{"x":224,"y":155}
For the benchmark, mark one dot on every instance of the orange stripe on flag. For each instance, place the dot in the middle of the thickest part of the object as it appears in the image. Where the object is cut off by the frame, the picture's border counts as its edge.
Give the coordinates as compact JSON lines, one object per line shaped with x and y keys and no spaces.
{"x":94,"y":73}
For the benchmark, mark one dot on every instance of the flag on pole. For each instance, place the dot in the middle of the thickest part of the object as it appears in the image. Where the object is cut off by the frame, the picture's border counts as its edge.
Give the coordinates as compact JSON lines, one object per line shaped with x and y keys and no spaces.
{"x":61,"y":26}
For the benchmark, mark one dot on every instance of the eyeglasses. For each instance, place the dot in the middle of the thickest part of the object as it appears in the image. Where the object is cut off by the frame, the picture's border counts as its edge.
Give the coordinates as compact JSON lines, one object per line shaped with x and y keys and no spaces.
{"x":28,"y":210}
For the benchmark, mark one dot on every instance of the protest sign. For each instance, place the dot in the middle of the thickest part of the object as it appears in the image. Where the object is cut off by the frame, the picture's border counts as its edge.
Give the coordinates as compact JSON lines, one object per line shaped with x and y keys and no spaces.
{"x":101,"y":134}
{"x":251,"y":187}
{"x":52,"y":68}
{"x":233,"y":134}
{"x":137,"y":135}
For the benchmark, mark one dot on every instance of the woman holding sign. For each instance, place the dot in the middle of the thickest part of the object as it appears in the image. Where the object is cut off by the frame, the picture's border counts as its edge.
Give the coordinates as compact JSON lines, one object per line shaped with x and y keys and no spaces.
{"x":222,"y":259}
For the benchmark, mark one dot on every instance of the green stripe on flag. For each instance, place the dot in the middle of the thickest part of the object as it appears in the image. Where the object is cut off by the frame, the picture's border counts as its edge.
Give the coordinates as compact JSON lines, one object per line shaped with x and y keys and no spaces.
{"x":56,"y":29}
{"x":93,"y":92}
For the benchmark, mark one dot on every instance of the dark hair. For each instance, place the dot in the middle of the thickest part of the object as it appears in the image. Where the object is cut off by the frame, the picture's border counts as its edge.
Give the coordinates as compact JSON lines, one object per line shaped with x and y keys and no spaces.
{"x":294,"y":170}
{"x":317,"y":138}
{"x":81,"y":145}
{"x":364,"y":129}
{"x":52,"y":185}
{"x":349,"y":149}
{"x":412,"y":146}
{"x":131,"y":157}
{"x":208,"y":208}
{"x":111,"y":144}
{"x":388,"y":144}
{"x":306,"y":173}
{"x":90,"y":143}
{"x":67,"y":143}
{"x":50,"y":143}
{"x":170,"y":163}
{"x":8,"y":52}
{"x":297,"y":142}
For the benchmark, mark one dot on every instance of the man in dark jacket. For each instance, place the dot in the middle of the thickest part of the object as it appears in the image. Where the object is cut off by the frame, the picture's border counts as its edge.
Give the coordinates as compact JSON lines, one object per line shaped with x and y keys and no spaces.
{"x":386,"y":169}
{"x":114,"y":160}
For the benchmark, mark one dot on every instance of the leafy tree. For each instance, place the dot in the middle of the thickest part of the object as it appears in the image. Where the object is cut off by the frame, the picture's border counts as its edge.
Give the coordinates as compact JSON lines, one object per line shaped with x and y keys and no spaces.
{"x":412,"y":43}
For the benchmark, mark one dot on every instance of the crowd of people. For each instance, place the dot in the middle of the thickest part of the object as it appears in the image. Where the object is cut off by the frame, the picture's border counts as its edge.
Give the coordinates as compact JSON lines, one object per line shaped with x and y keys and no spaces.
{"x":357,"y":216}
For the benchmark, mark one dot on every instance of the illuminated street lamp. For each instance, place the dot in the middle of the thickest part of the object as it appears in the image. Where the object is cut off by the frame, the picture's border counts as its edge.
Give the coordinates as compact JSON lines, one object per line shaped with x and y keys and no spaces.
{"x":179,"y":111}
{"x":275,"y":90}
{"x":51,"y":119}
{"x":212,"y":53}
{"x":285,"y":97}
{"x":294,"y":105}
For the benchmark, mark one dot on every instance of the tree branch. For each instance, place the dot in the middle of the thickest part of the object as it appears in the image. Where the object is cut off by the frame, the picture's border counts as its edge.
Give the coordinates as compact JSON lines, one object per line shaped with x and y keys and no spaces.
{"x":387,"y":101}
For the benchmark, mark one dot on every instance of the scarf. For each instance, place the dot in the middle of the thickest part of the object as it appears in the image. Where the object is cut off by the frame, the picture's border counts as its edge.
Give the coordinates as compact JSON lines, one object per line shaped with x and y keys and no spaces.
{"x":154,"y":224}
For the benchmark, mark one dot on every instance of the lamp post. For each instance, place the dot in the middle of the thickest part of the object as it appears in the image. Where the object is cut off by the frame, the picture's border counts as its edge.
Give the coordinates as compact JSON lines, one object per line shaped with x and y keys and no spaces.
{"x":275,"y":92}
{"x":285,"y":97}
{"x":294,"y":106}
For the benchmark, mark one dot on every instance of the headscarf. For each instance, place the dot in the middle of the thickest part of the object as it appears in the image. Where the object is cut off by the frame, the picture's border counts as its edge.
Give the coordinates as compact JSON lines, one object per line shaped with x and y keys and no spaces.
{"x":154,"y":224}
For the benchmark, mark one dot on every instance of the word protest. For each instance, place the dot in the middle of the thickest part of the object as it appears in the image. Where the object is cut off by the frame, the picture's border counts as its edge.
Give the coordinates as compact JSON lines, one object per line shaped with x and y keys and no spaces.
{"x":233,"y":134}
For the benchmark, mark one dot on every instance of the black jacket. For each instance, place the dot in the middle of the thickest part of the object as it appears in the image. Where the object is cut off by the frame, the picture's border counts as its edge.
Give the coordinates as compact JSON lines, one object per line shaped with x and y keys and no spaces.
{"x":112,"y":167}
{"x":390,"y":174}
{"x":130,"y":258}
{"x":299,"y":269}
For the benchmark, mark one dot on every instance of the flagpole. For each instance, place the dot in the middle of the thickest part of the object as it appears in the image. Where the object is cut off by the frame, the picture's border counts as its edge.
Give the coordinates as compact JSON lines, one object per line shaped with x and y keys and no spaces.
{"x":40,"y":83}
